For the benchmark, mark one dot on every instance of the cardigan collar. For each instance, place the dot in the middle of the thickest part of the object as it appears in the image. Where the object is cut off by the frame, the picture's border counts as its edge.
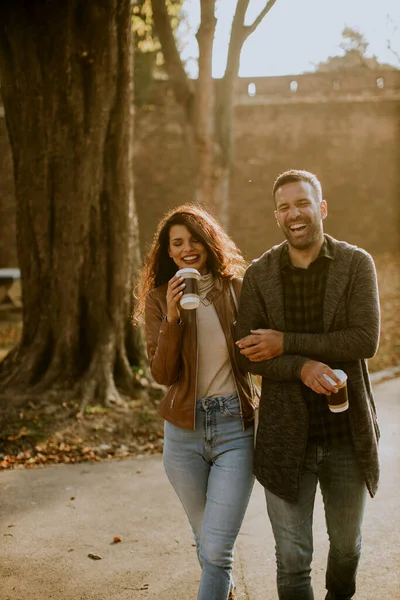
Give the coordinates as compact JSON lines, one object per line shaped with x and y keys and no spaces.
{"x":338,"y":276}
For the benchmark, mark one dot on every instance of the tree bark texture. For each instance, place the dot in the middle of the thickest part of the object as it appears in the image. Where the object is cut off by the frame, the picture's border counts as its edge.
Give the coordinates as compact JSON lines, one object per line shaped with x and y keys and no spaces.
{"x":204,"y":122}
{"x":66,"y":72}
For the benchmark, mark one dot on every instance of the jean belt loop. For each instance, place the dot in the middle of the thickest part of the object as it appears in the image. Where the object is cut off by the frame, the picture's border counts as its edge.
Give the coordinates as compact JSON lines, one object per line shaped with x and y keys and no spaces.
{"x":204,"y":403}
{"x":221,"y":404}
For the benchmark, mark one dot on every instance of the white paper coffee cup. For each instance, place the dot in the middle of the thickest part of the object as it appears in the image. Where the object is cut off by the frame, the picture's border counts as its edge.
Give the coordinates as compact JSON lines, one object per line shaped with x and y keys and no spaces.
{"x":338,"y":402}
{"x":190,"y":298}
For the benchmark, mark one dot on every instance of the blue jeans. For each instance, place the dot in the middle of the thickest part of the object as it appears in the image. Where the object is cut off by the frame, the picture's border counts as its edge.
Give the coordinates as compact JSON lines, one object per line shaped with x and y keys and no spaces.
{"x":344,"y":493}
{"x":211,"y":471}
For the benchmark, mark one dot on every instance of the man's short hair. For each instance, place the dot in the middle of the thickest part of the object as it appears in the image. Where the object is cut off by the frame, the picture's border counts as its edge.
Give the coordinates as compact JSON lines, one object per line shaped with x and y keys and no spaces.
{"x":298,"y":175}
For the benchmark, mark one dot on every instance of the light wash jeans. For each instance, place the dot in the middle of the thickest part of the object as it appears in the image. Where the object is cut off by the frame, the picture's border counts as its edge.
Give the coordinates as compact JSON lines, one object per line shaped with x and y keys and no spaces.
{"x":211,"y":471}
{"x":344,"y":494}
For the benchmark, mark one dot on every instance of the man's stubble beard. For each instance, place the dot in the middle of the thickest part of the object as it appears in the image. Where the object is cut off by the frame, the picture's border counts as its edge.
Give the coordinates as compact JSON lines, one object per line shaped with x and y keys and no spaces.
{"x":312,"y":237}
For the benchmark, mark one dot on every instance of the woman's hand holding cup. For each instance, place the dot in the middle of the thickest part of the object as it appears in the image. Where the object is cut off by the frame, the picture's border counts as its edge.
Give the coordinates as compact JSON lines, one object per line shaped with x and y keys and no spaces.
{"x":174,"y":293}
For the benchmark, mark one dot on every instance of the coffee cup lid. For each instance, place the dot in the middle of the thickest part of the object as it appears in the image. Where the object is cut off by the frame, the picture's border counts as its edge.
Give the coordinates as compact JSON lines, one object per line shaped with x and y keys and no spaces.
{"x":340,"y":375}
{"x":188,"y":270}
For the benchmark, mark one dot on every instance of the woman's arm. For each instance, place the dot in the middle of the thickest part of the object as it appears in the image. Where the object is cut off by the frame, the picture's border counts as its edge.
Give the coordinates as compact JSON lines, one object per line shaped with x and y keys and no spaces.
{"x":164,"y":342}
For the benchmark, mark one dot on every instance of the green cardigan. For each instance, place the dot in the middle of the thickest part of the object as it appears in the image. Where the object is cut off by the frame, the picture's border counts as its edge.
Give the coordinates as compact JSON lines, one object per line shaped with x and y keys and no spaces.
{"x":350,"y":335}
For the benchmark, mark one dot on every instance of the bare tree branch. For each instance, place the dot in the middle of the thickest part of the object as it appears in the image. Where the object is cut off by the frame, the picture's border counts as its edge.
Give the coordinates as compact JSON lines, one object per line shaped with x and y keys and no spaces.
{"x":237,"y":38}
{"x":392,"y":50}
{"x":204,"y":125}
{"x":225,"y":87}
{"x":251,"y":28}
{"x":389,"y":40}
{"x":239,"y":33}
{"x":179,"y":80}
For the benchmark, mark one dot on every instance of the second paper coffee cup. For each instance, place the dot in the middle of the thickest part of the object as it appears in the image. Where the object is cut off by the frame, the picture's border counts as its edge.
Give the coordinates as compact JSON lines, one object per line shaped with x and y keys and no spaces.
{"x":338,"y":402}
{"x":190,"y":297}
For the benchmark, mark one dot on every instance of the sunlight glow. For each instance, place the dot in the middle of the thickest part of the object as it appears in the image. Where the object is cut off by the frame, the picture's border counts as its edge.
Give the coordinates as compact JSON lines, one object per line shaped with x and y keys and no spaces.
{"x":296,"y":34}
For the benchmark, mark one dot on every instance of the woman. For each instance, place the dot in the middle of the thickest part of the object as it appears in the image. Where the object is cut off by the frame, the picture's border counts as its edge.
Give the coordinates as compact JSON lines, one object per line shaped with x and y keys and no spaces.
{"x":209,"y":406}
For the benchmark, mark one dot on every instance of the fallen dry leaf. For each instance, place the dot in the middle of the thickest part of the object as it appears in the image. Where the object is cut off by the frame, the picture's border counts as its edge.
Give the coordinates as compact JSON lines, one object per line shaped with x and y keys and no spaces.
{"x":94,"y":556}
{"x":22,"y":432}
{"x":116,"y":540}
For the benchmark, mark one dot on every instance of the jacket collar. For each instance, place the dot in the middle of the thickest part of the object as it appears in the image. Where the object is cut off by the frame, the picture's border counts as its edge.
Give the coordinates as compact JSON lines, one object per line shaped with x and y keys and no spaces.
{"x":216,"y":290}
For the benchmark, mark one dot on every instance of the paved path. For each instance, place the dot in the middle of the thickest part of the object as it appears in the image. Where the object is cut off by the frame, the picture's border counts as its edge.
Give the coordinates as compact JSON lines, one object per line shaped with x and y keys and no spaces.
{"x":52,"y":518}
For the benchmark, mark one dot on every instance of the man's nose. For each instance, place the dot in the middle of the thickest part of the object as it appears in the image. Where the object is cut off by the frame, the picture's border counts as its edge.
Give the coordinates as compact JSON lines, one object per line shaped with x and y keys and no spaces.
{"x":293,"y":212}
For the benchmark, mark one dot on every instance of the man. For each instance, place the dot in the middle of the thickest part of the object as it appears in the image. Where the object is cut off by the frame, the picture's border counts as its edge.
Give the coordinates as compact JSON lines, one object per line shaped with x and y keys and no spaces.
{"x":308,"y":306}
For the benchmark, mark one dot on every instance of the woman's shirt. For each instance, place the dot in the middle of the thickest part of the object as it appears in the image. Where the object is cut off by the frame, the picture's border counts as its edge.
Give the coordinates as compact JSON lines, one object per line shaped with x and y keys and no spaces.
{"x":214,"y":374}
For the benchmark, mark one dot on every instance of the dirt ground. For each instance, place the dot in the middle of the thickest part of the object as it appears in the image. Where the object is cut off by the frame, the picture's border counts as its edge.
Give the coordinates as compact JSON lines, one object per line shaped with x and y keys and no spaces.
{"x":60,"y":526}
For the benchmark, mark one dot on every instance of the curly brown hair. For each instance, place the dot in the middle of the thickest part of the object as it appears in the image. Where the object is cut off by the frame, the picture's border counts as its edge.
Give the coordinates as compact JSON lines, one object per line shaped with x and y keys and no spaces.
{"x":224,"y":258}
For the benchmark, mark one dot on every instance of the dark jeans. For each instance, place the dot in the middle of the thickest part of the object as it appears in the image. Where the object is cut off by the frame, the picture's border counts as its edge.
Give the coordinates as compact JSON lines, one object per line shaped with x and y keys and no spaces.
{"x":344,"y":493}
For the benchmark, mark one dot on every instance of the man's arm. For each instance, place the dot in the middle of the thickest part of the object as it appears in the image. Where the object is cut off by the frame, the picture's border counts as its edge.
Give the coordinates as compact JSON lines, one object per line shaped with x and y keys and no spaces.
{"x":360,"y":339}
{"x":252,"y":315}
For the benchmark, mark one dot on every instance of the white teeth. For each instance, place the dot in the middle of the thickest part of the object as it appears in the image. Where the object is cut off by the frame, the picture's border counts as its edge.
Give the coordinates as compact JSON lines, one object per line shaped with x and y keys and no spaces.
{"x":190,"y":258}
{"x":298,"y":226}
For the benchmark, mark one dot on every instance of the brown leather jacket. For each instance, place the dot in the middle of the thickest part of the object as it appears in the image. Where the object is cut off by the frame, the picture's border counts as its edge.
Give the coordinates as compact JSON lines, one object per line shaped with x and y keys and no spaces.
{"x":172,"y":352}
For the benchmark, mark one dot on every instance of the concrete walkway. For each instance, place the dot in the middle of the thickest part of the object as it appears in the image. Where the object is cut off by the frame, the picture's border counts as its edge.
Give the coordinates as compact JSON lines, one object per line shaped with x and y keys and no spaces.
{"x":52,"y":518}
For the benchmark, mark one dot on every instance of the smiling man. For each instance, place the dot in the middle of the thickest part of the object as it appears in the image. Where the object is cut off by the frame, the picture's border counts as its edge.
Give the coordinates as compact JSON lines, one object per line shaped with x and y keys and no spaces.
{"x":309,"y":306}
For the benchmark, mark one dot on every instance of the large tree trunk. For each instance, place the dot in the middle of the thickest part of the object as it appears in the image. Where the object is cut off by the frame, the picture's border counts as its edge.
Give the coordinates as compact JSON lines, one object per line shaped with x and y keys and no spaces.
{"x":66,"y":72}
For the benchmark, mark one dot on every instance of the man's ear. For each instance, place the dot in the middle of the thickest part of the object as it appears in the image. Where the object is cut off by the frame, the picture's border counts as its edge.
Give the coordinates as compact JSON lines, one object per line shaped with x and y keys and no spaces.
{"x":324,"y":209}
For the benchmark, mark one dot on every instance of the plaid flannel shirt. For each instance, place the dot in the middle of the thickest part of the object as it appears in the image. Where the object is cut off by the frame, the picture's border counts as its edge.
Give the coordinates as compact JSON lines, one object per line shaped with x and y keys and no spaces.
{"x":304,"y":292}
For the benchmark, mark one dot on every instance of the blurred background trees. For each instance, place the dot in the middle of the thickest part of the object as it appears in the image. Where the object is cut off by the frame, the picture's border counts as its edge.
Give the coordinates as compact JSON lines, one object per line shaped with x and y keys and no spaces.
{"x":208,"y":105}
{"x":354,"y":46}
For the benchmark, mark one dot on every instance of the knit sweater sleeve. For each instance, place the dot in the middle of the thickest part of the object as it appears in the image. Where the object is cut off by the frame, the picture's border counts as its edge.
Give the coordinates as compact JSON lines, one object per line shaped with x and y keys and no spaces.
{"x":253,"y":315}
{"x":361,"y":336}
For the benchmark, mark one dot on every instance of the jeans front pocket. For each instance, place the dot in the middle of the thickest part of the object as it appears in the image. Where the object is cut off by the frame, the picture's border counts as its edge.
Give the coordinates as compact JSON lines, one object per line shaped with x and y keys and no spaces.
{"x":231,"y":407}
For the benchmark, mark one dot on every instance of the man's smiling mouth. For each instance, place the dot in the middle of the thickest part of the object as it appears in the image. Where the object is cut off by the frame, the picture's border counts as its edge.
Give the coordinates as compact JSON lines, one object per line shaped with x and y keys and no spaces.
{"x":297,"y":227}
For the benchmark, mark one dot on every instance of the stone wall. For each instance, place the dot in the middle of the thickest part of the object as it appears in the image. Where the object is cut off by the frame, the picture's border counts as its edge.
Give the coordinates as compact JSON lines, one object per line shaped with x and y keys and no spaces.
{"x":343,"y":127}
{"x":354,"y":148}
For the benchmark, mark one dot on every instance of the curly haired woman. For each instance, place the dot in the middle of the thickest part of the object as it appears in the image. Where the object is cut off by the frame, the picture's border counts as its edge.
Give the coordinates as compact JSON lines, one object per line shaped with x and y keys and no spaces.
{"x":209,"y":406}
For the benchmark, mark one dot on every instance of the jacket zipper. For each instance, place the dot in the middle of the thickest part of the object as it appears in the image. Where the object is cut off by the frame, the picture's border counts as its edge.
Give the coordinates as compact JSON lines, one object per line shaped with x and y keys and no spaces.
{"x":233,"y":298}
{"x":197,"y":369}
{"x":237,"y":391}
{"x":233,"y":375}
{"x":173,"y":397}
